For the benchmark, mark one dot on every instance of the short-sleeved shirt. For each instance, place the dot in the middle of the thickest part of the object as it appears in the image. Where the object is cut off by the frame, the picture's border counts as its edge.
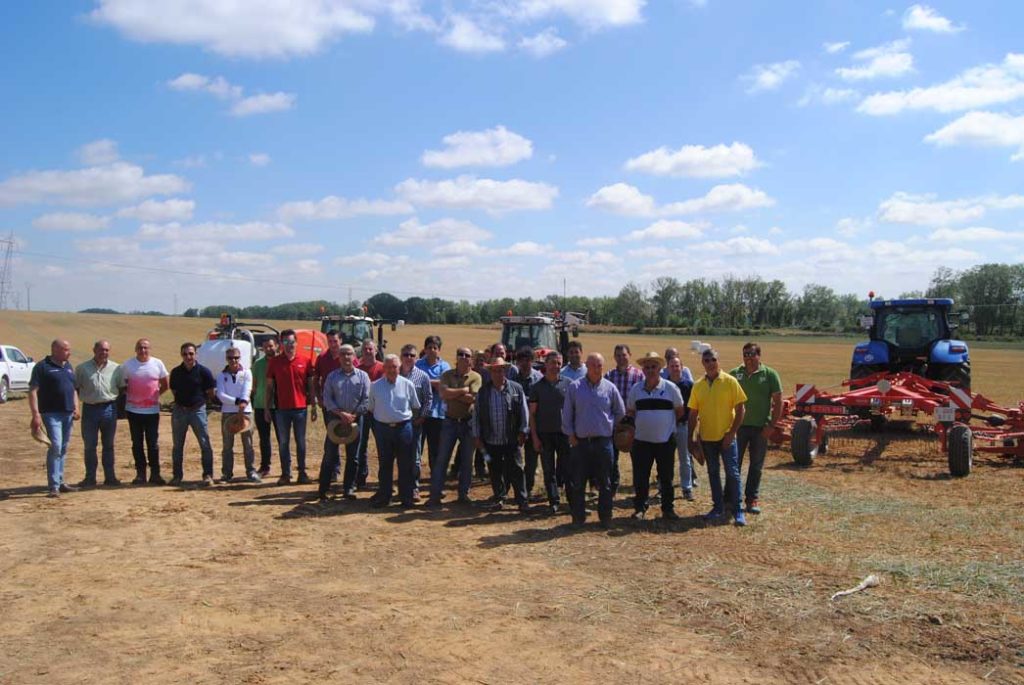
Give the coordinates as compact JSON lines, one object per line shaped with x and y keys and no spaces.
{"x":655,"y":410}
{"x":326,"y":363}
{"x":451,"y":379}
{"x":54,"y":385}
{"x":393,"y":402}
{"x":590,"y":410}
{"x":96,"y":385}
{"x":434,"y":372}
{"x":624,"y":380}
{"x":374,"y":370}
{"x":190,"y":385}
{"x":259,"y":383}
{"x":716,"y":405}
{"x":142,"y":383}
{"x":573,"y":374}
{"x":290,"y":377}
{"x":549,"y":398}
{"x":759,"y":387}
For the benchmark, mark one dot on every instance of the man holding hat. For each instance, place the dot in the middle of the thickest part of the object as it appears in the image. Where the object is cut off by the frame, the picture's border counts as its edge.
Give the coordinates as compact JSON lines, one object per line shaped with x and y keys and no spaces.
{"x":501,"y":425}
{"x":346,"y":393}
{"x":54,"y":404}
{"x":656,"y":405}
{"x":393,"y":403}
{"x":234,"y":389}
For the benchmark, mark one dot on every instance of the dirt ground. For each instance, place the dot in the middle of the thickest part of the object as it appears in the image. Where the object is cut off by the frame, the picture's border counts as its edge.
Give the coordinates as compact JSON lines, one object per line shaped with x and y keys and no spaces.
{"x":246,"y":583}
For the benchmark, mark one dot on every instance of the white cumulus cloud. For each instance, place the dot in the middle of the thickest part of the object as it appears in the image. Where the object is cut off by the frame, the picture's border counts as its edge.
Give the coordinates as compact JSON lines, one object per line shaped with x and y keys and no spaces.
{"x":836,"y":47}
{"x":159,"y":211}
{"x":592,"y":14}
{"x":622,"y":198}
{"x":220,"y":88}
{"x":666,"y":230}
{"x":697,"y":161}
{"x":924,"y":18}
{"x":70,"y":221}
{"x":440,"y":232}
{"x":98,"y":152}
{"x":334,"y":207}
{"x":215,"y":231}
{"x":975,"y":234}
{"x":926,"y":210}
{"x":468,"y":192}
{"x":764,"y":77}
{"x":982,"y":129}
{"x":259,"y":159}
{"x":107,"y":184}
{"x":263,"y":103}
{"x":465,"y":35}
{"x":494,"y":147}
{"x":890,"y":60}
{"x":543,"y":44}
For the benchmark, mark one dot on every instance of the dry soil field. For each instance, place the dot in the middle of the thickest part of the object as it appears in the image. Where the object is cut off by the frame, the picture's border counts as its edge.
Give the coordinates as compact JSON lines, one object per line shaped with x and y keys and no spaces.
{"x":256,"y":584}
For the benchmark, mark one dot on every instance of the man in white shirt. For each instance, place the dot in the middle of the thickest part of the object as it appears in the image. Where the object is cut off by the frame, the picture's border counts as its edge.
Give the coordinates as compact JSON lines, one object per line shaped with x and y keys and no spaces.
{"x":144,"y":378}
{"x":393,"y":403}
{"x":234,"y":390}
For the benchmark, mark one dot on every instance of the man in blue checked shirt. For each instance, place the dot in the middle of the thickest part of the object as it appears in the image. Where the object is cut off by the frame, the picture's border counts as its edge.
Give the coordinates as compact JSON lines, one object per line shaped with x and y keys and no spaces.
{"x":346,"y":396}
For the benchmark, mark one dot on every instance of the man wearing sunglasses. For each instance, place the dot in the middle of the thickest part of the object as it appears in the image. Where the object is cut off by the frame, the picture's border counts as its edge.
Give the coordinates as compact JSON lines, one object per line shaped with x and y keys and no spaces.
{"x":716,"y":413}
{"x":234,"y":390}
{"x":763,"y":388}
{"x":192,"y":384}
{"x":459,"y":388}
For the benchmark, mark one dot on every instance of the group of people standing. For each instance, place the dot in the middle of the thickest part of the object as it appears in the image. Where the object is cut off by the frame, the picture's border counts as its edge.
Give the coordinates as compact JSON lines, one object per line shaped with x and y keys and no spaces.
{"x":496,"y":416}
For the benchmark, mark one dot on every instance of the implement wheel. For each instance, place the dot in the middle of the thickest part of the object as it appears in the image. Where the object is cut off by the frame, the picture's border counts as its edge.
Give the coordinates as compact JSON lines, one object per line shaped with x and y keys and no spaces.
{"x":960,"y":446}
{"x":803,"y":441}
{"x":954,"y":373}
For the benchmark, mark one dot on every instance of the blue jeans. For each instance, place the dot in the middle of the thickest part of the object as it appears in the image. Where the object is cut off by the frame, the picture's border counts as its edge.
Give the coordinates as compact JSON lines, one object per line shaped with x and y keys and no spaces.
{"x":417,"y":453}
{"x":394,"y":443}
{"x":182,"y":419}
{"x":58,"y":427}
{"x":685,"y":460}
{"x":99,"y":420}
{"x":730,"y":459}
{"x":751,"y":439}
{"x":555,"y":472}
{"x":285,"y":420}
{"x":332,"y":463}
{"x":453,"y":430}
{"x":592,"y":460}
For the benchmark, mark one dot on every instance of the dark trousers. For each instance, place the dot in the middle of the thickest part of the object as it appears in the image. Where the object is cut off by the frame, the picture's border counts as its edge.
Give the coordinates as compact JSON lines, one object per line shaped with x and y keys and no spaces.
{"x":352,"y":452}
{"x":751,"y":438}
{"x":332,"y":462}
{"x":430,"y":439}
{"x":263,"y":429}
{"x":554,"y":461}
{"x":145,"y":430}
{"x":531,"y":458}
{"x":99,"y":422}
{"x":592,"y":460}
{"x":644,"y":456}
{"x":507,"y":471}
{"x":362,"y":461}
{"x":394,"y":443}
{"x":614,"y":476}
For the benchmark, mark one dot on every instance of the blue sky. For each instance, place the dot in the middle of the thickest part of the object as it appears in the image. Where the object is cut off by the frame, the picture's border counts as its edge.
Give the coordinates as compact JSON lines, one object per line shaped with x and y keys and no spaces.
{"x":275,"y":150}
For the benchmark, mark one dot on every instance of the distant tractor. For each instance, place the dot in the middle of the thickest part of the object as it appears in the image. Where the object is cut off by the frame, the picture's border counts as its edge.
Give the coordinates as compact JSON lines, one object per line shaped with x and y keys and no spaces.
{"x":915,"y":336}
{"x":355,"y":329}
{"x":544,"y":332}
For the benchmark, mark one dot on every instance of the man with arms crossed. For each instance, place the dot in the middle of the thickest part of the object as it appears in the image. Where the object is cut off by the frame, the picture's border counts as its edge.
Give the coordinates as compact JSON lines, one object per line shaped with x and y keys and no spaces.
{"x":459,"y":388}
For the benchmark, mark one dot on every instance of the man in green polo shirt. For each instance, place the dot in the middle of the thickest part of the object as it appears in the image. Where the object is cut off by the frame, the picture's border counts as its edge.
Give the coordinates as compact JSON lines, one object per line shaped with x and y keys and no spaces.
{"x":97,"y":389}
{"x":259,"y":404}
{"x":763,"y":388}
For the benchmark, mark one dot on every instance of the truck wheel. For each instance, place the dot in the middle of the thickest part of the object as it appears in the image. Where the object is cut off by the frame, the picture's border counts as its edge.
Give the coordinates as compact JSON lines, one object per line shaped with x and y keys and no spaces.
{"x":858,"y":371}
{"x":5,"y":389}
{"x":803,"y":442}
{"x":955,"y":373}
{"x":960,"y":446}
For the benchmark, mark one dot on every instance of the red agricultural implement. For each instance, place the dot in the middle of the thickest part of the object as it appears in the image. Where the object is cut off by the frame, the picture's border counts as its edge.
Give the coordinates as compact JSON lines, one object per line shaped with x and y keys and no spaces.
{"x":964,"y":422}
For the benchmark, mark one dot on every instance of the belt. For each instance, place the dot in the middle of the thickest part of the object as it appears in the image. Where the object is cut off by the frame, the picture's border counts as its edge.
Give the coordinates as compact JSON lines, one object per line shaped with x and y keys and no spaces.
{"x":394,"y":424}
{"x":593,"y":438}
{"x":452,"y":418}
{"x":98,"y":404}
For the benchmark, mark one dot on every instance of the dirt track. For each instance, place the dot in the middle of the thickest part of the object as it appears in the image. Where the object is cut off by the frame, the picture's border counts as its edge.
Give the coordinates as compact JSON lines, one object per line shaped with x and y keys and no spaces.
{"x":255,"y":584}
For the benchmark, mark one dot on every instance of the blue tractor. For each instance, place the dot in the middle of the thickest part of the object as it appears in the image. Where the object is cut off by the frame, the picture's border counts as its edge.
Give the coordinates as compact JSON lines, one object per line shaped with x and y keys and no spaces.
{"x":915,"y":336}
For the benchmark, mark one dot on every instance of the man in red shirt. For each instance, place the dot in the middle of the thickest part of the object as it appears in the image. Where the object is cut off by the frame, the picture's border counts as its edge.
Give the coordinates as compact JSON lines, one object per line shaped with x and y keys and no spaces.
{"x":291,"y":385}
{"x":374,"y":368}
{"x":328,"y":361}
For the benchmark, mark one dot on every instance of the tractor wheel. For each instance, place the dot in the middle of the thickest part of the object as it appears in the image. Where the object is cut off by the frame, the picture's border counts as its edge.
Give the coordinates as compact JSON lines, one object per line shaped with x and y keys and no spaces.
{"x":858,"y":371}
{"x":823,"y":445}
{"x":804,"y":441}
{"x":960,"y":446}
{"x":954,"y":373}
{"x":5,"y":389}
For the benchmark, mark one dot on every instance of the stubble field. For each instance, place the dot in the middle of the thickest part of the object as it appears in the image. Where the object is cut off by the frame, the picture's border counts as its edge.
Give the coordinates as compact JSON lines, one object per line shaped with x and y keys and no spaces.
{"x":249,"y":583}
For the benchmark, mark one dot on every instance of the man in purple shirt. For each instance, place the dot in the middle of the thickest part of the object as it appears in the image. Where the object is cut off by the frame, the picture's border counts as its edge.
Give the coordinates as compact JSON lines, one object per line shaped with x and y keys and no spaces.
{"x":592,"y":407}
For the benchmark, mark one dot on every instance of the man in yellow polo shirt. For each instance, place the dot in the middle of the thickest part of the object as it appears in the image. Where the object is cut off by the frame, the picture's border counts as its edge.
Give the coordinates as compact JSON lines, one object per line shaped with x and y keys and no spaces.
{"x":716,"y":412}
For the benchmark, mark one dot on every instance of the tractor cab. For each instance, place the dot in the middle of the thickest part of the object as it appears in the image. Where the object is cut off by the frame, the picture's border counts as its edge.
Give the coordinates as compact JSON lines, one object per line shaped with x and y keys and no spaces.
{"x":354,"y":330}
{"x":914,"y":335}
{"x":545,"y":332}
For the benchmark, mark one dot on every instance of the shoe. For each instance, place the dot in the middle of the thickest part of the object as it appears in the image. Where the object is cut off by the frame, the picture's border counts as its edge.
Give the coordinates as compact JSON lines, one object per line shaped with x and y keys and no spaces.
{"x":303,"y":478}
{"x":695,"y":481}
{"x":254,"y":477}
{"x":553,"y":509}
{"x":740,"y":519}
{"x":670,"y":516}
{"x":112,"y":483}
{"x":498,"y":506}
{"x":87,"y":483}
{"x":378,"y":503}
{"x":334,"y":478}
{"x":453,"y":474}
{"x":639,"y":515}
{"x":284,"y":480}
{"x":207,"y":480}
{"x":688,"y":495}
{"x":433,"y":503}
{"x":605,"y":524}
{"x":464,"y":500}
{"x":176,"y":482}
{"x":54,"y":492}
{"x":416,"y":496}
{"x":139,"y":480}
{"x":577,"y":524}
{"x":524,"y":508}
{"x":157,"y":480}
{"x":226,"y":479}
{"x":264,"y":471}
{"x":64,"y":487}
{"x":350,"y":493}
{"x":713,"y":515}
{"x":753,"y":506}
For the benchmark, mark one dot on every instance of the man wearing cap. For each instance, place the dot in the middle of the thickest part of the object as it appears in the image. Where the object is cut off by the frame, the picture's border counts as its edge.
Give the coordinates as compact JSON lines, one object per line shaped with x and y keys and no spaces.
{"x":459,"y":388}
{"x":53,"y":402}
{"x":501,"y":425}
{"x":264,"y":416}
{"x":94,"y":381}
{"x":656,"y":405}
{"x":526,"y":376}
{"x":234,"y":389}
{"x":593,"y":407}
{"x":545,"y":400}
{"x":716,"y":413}
{"x":374,"y":368}
{"x":574,"y":370}
{"x":624,"y":376}
{"x":425,"y":393}
{"x":328,"y":361}
{"x":192,"y":384}
{"x":144,"y":378}
{"x":763,"y":388}
{"x":346,"y":396}
{"x":393,"y":403}
{"x":291,"y":385}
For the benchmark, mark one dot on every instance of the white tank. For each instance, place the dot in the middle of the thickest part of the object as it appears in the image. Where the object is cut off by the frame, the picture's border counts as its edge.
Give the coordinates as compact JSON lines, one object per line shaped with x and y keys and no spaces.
{"x":211,"y":353}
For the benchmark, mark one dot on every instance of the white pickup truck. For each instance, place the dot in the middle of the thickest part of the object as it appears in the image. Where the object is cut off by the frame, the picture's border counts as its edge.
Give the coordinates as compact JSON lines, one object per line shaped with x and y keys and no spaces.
{"x":15,"y":371}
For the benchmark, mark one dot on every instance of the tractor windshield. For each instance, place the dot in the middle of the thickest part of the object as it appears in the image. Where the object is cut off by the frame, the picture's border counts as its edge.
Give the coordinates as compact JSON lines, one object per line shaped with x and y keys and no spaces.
{"x":518,"y":335}
{"x":355,"y":332}
{"x":910,"y":328}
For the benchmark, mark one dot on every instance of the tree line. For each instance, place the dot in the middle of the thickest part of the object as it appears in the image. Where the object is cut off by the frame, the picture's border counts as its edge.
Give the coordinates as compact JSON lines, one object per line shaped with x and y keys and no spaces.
{"x":993,"y":294}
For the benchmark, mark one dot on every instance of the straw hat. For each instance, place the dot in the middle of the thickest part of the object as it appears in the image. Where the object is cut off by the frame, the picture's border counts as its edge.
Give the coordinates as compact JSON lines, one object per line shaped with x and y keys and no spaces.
{"x":622,"y":437}
{"x":40,"y":434}
{"x":341,"y":433}
{"x":651,"y":357}
{"x":238,"y":422}
{"x":499,"y":363}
